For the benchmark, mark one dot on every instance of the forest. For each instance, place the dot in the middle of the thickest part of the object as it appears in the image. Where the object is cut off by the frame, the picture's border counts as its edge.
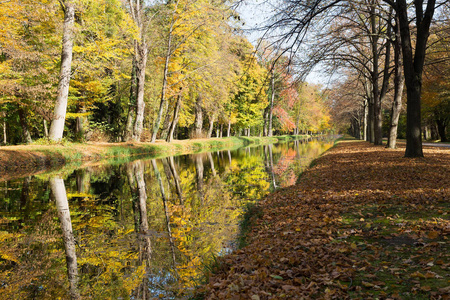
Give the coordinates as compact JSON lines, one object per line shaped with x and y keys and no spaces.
{"x":135,"y":71}
{"x":115,"y":181}
{"x":113,"y":70}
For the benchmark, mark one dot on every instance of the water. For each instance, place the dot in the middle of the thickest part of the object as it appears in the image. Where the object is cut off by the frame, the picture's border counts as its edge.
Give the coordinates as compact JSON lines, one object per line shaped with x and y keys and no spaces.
{"x":140,"y":230}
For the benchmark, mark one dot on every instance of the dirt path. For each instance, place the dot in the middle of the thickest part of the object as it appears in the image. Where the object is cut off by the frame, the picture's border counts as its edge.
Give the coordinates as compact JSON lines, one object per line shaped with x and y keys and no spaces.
{"x":363,"y":223}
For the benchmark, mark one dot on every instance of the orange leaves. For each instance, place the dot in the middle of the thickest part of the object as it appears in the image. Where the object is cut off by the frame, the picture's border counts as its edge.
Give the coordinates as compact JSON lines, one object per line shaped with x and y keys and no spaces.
{"x":360,"y":224}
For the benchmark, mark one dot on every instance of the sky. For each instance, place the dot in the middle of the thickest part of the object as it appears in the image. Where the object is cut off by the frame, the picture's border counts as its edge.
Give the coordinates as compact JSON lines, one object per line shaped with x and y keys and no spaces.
{"x":256,"y":13}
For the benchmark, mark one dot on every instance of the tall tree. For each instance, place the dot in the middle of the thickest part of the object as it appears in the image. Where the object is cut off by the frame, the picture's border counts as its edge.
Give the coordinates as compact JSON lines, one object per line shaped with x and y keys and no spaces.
{"x":59,"y":114}
{"x":413,"y":63}
{"x":140,"y":50}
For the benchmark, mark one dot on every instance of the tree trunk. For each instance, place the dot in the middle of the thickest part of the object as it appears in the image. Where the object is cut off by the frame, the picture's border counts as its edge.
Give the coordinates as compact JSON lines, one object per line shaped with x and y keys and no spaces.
{"x":140,"y":50}
{"x":62,"y":205}
{"x":413,"y":69}
{"x":211,"y":126}
{"x":370,"y":121}
{"x":366,"y":120}
{"x":164,"y":83}
{"x":377,"y":121}
{"x":59,"y":113}
{"x":370,"y":115}
{"x":266,"y":120}
{"x":166,"y":123}
{"x":272,"y":99}
{"x":175,"y":119}
{"x":4,"y":133}
{"x":45,"y":128}
{"x":385,"y":84}
{"x":132,"y":106}
{"x":80,"y":130}
{"x":441,"y":129}
{"x":229,"y":129}
{"x":198,"y":122}
{"x":399,"y":83}
{"x":24,"y":124}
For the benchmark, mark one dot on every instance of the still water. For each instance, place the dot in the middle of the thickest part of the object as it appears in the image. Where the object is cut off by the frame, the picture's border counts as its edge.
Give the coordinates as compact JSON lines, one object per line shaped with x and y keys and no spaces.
{"x":139,"y":230}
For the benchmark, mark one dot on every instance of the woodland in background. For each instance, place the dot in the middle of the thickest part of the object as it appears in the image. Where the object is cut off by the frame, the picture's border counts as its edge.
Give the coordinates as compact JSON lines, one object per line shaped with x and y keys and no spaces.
{"x":179,"y":69}
{"x":366,"y":45}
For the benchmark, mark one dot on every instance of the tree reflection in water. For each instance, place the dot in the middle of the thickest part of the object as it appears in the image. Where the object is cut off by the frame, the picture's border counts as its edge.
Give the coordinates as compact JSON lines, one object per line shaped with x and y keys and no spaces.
{"x":62,"y":205}
{"x":139,"y":234}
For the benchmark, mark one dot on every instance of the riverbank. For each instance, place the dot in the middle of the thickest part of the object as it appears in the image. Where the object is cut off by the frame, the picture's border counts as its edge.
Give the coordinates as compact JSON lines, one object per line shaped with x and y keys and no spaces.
{"x":22,"y":160}
{"x":364,"y":222}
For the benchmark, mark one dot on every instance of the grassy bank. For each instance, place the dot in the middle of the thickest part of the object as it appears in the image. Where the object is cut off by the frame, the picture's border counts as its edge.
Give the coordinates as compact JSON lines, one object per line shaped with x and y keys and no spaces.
{"x":363,"y":223}
{"x":16,"y":161}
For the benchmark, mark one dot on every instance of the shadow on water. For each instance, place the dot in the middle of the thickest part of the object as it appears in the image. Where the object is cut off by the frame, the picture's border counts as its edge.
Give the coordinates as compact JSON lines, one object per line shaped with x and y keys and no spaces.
{"x":136,"y":230}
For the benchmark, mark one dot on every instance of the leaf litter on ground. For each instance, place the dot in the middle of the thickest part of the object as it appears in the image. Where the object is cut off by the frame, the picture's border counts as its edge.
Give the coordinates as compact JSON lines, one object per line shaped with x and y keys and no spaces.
{"x":363,"y":223}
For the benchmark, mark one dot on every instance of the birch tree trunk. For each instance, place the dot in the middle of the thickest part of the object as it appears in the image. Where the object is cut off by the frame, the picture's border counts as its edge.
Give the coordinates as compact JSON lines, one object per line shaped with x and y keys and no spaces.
{"x":59,"y":113}
{"x":175,"y":119}
{"x":272,"y":99}
{"x":266,"y":121}
{"x":399,"y":82}
{"x":164,"y":83}
{"x":132,"y":105}
{"x":167,"y":122}
{"x":45,"y":129}
{"x":198,"y":123}
{"x":211,"y":126}
{"x":141,"y":63}
{"x":366,"y":120}
{"x":4,"y":133}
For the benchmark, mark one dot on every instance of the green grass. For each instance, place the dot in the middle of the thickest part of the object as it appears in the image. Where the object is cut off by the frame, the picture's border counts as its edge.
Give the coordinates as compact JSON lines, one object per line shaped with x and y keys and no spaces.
{"x":396,"y":249}
{"x":52,"y":155}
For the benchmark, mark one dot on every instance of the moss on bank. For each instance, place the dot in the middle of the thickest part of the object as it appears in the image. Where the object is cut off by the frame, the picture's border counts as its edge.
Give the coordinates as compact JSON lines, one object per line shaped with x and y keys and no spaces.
{"x":17,"y":161}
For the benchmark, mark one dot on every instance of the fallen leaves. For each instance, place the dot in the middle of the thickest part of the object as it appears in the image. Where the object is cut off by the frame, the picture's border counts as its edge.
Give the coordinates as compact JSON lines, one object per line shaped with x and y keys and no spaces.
{"x":364,"y":222}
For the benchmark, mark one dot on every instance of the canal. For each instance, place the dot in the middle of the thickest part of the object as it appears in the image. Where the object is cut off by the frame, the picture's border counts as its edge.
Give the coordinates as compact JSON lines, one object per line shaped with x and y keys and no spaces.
{"x":139,"y":230}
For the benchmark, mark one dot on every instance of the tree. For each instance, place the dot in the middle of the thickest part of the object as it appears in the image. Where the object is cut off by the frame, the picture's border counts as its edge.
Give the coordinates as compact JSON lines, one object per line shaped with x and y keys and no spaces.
{"x":99,"y":49}
{"x":140,"y":49}
{"x":413,"y":67}
{"x":296,"y":17}
{"x":59,"y":114}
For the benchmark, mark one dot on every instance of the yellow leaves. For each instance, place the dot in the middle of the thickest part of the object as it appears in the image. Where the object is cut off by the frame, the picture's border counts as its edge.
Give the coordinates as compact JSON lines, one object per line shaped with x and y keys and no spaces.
{"x":80,"y":195}
{"x":4,"y":254}
{"x":133,"y":281}
{"x":6,"y":235}
{"x":367,"y":284}
{"x":433,"y":235}
{"x":70,"y":115}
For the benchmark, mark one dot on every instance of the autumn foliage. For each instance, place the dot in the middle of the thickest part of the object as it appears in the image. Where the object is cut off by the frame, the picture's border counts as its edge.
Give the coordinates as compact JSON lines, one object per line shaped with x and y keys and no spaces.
{"x":362,"y":223}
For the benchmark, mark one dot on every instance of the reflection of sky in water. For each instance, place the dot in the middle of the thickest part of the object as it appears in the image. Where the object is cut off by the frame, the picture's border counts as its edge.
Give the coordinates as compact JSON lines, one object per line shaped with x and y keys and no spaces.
{"x":118,"y":254}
